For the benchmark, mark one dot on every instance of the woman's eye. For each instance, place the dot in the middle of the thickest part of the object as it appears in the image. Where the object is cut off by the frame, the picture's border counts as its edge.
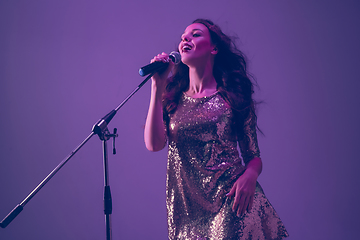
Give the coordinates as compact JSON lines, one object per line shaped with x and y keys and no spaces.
{"x":196,"y":35}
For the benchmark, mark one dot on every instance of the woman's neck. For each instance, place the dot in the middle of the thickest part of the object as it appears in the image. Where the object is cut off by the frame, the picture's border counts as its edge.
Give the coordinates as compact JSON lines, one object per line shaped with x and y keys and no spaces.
{"x":202,"y":81}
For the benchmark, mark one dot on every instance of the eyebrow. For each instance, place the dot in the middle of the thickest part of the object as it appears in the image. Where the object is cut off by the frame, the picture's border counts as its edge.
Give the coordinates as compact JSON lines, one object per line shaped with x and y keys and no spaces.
{"x":195,"y":29}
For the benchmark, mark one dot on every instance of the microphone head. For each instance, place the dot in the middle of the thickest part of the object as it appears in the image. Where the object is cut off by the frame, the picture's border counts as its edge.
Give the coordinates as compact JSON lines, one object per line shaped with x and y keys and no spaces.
{"x":175,"y":57}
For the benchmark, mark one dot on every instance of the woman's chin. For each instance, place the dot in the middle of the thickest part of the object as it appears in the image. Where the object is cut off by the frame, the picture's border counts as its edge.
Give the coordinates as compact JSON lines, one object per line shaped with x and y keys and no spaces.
{"x":189,"y":61}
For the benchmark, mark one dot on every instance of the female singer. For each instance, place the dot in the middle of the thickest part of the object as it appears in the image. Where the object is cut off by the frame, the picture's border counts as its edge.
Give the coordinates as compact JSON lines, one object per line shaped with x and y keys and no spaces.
{"x":204,"y":110}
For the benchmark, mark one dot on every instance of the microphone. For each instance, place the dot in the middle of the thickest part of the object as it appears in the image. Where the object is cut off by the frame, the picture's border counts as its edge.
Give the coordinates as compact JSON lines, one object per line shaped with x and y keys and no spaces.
{"x":159,"y":66}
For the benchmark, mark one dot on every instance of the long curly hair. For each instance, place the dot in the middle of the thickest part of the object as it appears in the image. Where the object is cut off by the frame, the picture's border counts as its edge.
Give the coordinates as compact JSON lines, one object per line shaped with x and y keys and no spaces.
{"x":234,"y":82}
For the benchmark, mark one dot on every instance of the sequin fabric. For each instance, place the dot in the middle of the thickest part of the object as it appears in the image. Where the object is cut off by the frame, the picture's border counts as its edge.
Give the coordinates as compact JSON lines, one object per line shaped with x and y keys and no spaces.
{"x":203,"y":164}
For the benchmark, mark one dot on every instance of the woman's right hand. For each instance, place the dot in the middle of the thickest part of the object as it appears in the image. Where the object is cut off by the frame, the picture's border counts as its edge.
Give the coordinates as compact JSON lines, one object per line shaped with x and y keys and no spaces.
{"x":160,"y":78}
{"x":154,"y":132}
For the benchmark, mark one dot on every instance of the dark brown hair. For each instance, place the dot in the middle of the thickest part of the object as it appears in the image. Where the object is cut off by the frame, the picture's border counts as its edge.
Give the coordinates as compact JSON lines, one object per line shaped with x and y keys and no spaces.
{"x":234,"y":83}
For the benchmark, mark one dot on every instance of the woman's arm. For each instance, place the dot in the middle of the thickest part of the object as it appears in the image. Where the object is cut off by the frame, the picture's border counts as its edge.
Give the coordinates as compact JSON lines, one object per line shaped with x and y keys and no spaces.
{"x":254,"y":166}
{"x":243,"y":189}
{"x":154,"y":133}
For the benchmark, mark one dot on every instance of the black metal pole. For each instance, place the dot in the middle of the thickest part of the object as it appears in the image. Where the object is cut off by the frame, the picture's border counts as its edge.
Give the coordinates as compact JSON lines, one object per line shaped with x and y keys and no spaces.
{"x":20,"y":206}
{"x":107,"y":194}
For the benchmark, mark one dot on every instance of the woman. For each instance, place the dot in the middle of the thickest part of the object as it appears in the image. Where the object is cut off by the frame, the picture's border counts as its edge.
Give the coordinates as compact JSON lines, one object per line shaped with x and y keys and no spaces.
{"x":203,"y":111}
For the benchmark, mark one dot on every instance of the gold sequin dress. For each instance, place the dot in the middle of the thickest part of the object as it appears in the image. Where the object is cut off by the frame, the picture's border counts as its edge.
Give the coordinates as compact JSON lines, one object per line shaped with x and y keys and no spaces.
{"x":203,"y":164}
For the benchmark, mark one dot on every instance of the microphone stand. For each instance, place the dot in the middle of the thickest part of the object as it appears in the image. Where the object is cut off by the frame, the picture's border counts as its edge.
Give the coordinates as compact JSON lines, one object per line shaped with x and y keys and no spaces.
{"x":100,"y":128}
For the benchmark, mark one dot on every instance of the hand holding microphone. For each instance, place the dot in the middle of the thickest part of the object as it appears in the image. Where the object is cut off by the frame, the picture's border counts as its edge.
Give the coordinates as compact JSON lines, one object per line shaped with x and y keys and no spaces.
{"x":160,"y":63}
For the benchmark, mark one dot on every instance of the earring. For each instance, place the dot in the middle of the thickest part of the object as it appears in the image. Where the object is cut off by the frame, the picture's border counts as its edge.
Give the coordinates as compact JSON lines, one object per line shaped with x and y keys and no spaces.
{"x":215,"y":50}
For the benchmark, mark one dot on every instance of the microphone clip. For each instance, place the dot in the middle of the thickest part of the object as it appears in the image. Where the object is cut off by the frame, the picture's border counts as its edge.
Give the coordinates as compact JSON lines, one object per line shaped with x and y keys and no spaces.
{"x":113,"y":135}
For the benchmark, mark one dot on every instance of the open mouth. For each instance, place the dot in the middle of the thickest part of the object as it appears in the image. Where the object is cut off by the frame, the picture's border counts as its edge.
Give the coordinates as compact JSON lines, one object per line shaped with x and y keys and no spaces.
{"x":186,"y":48}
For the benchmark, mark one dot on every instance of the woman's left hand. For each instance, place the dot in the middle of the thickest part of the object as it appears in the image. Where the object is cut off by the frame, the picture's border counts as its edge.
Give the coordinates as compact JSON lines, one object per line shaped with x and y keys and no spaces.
{"x":244,"y":191}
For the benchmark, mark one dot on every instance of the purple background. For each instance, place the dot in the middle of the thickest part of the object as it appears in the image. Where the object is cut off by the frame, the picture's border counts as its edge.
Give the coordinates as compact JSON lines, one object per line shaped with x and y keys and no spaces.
{"x":65,"y":64}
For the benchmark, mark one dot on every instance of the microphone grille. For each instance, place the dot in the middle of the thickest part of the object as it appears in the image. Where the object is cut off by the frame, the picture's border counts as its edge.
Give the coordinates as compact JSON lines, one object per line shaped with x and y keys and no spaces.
{"x":175,"y":57}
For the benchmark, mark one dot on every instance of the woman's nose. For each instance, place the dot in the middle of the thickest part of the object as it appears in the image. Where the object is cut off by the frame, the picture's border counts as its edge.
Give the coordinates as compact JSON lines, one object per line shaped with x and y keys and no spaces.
{"x":186,"y":38}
